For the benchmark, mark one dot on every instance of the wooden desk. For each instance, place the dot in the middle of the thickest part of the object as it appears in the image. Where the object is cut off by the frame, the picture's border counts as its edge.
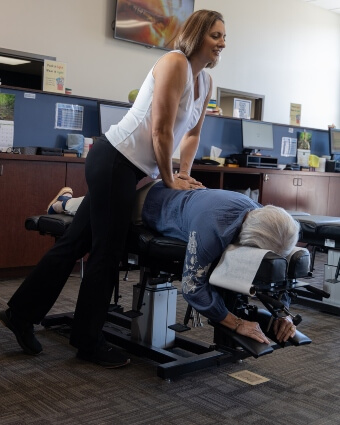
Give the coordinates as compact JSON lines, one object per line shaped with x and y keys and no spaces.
{"x":306,"y":191}
{"x":29,"y":182}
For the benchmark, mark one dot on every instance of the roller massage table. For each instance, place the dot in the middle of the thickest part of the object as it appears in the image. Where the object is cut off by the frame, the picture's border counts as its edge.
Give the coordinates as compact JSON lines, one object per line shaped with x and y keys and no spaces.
{"x":150,"y":330}
{"x":322,"y":232}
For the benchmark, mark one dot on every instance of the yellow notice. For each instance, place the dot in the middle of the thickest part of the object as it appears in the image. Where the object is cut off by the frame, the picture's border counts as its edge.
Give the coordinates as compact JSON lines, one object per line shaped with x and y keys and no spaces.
{"x":295,"y":114}
{"x":54,"y":76}
{"x":249,"y":377}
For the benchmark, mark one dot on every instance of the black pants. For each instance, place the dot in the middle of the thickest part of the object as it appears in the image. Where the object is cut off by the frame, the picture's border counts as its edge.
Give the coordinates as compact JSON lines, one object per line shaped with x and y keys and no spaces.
{"x":99,"y":228}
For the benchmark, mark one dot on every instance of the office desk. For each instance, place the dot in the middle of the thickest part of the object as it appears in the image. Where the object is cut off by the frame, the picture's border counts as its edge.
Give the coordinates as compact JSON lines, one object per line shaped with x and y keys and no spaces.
{"x":29,"y":182}
{"x":306,"y":191}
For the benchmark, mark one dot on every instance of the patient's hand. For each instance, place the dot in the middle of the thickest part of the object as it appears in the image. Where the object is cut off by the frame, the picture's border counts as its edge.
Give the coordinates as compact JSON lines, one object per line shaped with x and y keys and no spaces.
{"x":252,"y":330}
{"x":284,"y":328}
{"x":244,"y":327}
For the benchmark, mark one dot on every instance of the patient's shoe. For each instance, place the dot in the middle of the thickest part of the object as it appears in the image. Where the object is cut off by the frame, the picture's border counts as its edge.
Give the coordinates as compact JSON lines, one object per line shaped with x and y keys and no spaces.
{"x":23,"y":331}
{"x":57,"y":205}
{"x":105,"y":355}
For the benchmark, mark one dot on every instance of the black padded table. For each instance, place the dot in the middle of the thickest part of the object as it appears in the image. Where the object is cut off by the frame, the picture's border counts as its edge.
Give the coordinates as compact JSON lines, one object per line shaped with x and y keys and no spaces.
{"x":160,"y":260}
{"x":322,"y":232}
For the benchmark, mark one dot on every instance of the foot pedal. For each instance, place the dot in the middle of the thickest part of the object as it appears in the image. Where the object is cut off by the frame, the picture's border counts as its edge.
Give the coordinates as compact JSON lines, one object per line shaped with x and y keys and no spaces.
{"x":132,"y":314}
{"x":179,"y":327}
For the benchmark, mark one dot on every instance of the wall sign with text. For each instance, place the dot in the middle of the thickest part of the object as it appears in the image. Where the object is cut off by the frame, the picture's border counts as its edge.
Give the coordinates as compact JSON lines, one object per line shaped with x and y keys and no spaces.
{"x":242,"y":108}
{"x":54,"y":76}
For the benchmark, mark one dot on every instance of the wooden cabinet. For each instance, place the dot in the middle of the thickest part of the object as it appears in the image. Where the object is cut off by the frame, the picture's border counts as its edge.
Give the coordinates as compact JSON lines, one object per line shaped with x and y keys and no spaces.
{"x":312,"y":194}
{"x":210,"y":178}
{"x":75,"y":178}
{"x":296,"y":192}
{"x":333,"y":209}
{"x":227,"y":178}
{"x":305,"y":191}
{"x":27,"y":185}
{"x":279,"y":190}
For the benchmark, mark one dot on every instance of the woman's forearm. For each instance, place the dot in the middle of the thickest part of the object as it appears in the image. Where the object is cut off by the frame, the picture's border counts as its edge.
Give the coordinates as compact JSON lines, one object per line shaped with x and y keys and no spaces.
{"x":188,"y":151}
{"x":163,"y":146}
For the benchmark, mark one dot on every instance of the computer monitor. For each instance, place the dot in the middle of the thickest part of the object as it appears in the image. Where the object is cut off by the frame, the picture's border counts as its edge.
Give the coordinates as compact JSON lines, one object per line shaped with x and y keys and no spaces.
{"x":257,"y":136}
{"x":110,"y":114}
{"x":334,"y":142}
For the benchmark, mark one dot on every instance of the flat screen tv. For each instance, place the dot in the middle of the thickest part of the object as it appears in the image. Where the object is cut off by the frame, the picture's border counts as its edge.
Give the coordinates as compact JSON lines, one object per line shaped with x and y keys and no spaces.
{"x":151,"y":23}
{"x":110,"y":114}
{"x":334,"y":141}
{"x":257,"y":136}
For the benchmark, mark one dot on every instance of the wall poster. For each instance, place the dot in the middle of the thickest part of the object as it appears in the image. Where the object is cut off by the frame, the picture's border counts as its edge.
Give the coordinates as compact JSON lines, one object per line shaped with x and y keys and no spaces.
{"x":54,"y":76}
{"x":242,"y":108}
{"x":295,"y":114}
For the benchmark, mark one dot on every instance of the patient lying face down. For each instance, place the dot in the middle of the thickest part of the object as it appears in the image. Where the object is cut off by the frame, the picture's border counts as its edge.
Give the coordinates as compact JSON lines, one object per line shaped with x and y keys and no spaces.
{"x":209,"y":220}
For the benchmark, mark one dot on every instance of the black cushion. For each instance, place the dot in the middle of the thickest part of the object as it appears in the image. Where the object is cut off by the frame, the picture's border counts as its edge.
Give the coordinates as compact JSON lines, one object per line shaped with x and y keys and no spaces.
{"x":164,"y":253}
{"x":315,"y":229}
{"x":49,"y":224}
{"x":298,"y":266}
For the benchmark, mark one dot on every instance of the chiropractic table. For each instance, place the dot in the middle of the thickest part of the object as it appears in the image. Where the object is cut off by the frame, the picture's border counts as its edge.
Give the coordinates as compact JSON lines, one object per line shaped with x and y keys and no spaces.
{"x":150,"y":330}
{"x":322,"y":232}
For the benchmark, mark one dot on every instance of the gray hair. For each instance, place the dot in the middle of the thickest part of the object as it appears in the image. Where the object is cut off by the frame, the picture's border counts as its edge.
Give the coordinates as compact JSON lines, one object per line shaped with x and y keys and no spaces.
{"x":270,"y":228}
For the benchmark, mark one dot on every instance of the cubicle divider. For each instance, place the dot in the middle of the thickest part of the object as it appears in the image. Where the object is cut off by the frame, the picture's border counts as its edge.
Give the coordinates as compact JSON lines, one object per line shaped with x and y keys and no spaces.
{"x":35,"y":125}
{"x":35,"y":118}
{"x":226,"y":133}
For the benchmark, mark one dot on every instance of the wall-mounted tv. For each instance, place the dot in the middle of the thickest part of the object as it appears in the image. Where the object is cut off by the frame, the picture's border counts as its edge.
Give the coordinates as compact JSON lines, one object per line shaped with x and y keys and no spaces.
{"x":151,"y":23}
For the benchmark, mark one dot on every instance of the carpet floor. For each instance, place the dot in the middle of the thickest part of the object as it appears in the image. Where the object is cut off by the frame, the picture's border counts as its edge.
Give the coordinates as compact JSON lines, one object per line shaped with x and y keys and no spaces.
{"x":301,"y":385}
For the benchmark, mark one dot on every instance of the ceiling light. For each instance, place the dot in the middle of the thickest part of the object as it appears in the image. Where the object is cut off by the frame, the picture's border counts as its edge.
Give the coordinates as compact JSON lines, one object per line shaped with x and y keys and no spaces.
{"x":12,"y":61}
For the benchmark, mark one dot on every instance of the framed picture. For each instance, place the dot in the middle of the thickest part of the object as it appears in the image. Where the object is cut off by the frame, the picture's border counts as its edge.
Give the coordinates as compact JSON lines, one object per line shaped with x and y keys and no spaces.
{"x":242,"y":108}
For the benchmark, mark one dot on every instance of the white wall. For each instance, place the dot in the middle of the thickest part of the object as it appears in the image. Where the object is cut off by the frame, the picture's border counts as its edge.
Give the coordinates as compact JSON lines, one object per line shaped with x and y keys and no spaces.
{"x":287,"y":50}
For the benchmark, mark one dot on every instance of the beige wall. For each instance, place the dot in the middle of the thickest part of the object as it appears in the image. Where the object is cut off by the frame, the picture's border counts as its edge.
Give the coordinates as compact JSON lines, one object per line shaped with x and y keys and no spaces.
{"x":287,"y":50}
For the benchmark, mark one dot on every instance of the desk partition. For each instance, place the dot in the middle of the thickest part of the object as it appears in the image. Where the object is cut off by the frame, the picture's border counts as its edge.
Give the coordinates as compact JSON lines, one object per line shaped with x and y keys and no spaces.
{"x":35,"y":119}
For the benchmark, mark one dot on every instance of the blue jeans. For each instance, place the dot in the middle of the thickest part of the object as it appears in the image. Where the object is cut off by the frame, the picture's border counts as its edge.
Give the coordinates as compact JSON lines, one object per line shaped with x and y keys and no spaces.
{"x":99,"y":228}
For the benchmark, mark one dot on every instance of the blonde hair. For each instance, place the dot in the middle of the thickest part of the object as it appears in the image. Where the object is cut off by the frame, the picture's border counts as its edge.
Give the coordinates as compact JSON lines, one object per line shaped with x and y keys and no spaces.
{"x":270,"y":228}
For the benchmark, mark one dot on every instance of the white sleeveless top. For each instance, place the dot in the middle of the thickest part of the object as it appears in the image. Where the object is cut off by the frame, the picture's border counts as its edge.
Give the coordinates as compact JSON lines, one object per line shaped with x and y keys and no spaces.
{"x":132,"y":135}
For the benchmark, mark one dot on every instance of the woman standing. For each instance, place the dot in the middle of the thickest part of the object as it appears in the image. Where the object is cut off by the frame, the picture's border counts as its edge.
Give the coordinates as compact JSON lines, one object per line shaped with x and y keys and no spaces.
{"x":169,"y":110}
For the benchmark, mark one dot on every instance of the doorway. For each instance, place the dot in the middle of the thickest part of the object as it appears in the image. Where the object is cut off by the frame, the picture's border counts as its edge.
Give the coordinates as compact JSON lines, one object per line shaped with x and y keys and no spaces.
{"x":225,"y":100}
{"x":22,"y":69}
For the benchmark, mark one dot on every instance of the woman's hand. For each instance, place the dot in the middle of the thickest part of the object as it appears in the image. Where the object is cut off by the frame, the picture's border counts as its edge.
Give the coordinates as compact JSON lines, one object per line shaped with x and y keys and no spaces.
{"x":183,"y":181}
{"x":284,"y":328}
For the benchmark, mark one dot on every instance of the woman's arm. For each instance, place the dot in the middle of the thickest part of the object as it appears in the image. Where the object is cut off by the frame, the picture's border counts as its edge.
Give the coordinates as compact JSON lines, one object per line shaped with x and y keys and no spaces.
{"x":190,"y":142}
{"x":170,"y":74}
